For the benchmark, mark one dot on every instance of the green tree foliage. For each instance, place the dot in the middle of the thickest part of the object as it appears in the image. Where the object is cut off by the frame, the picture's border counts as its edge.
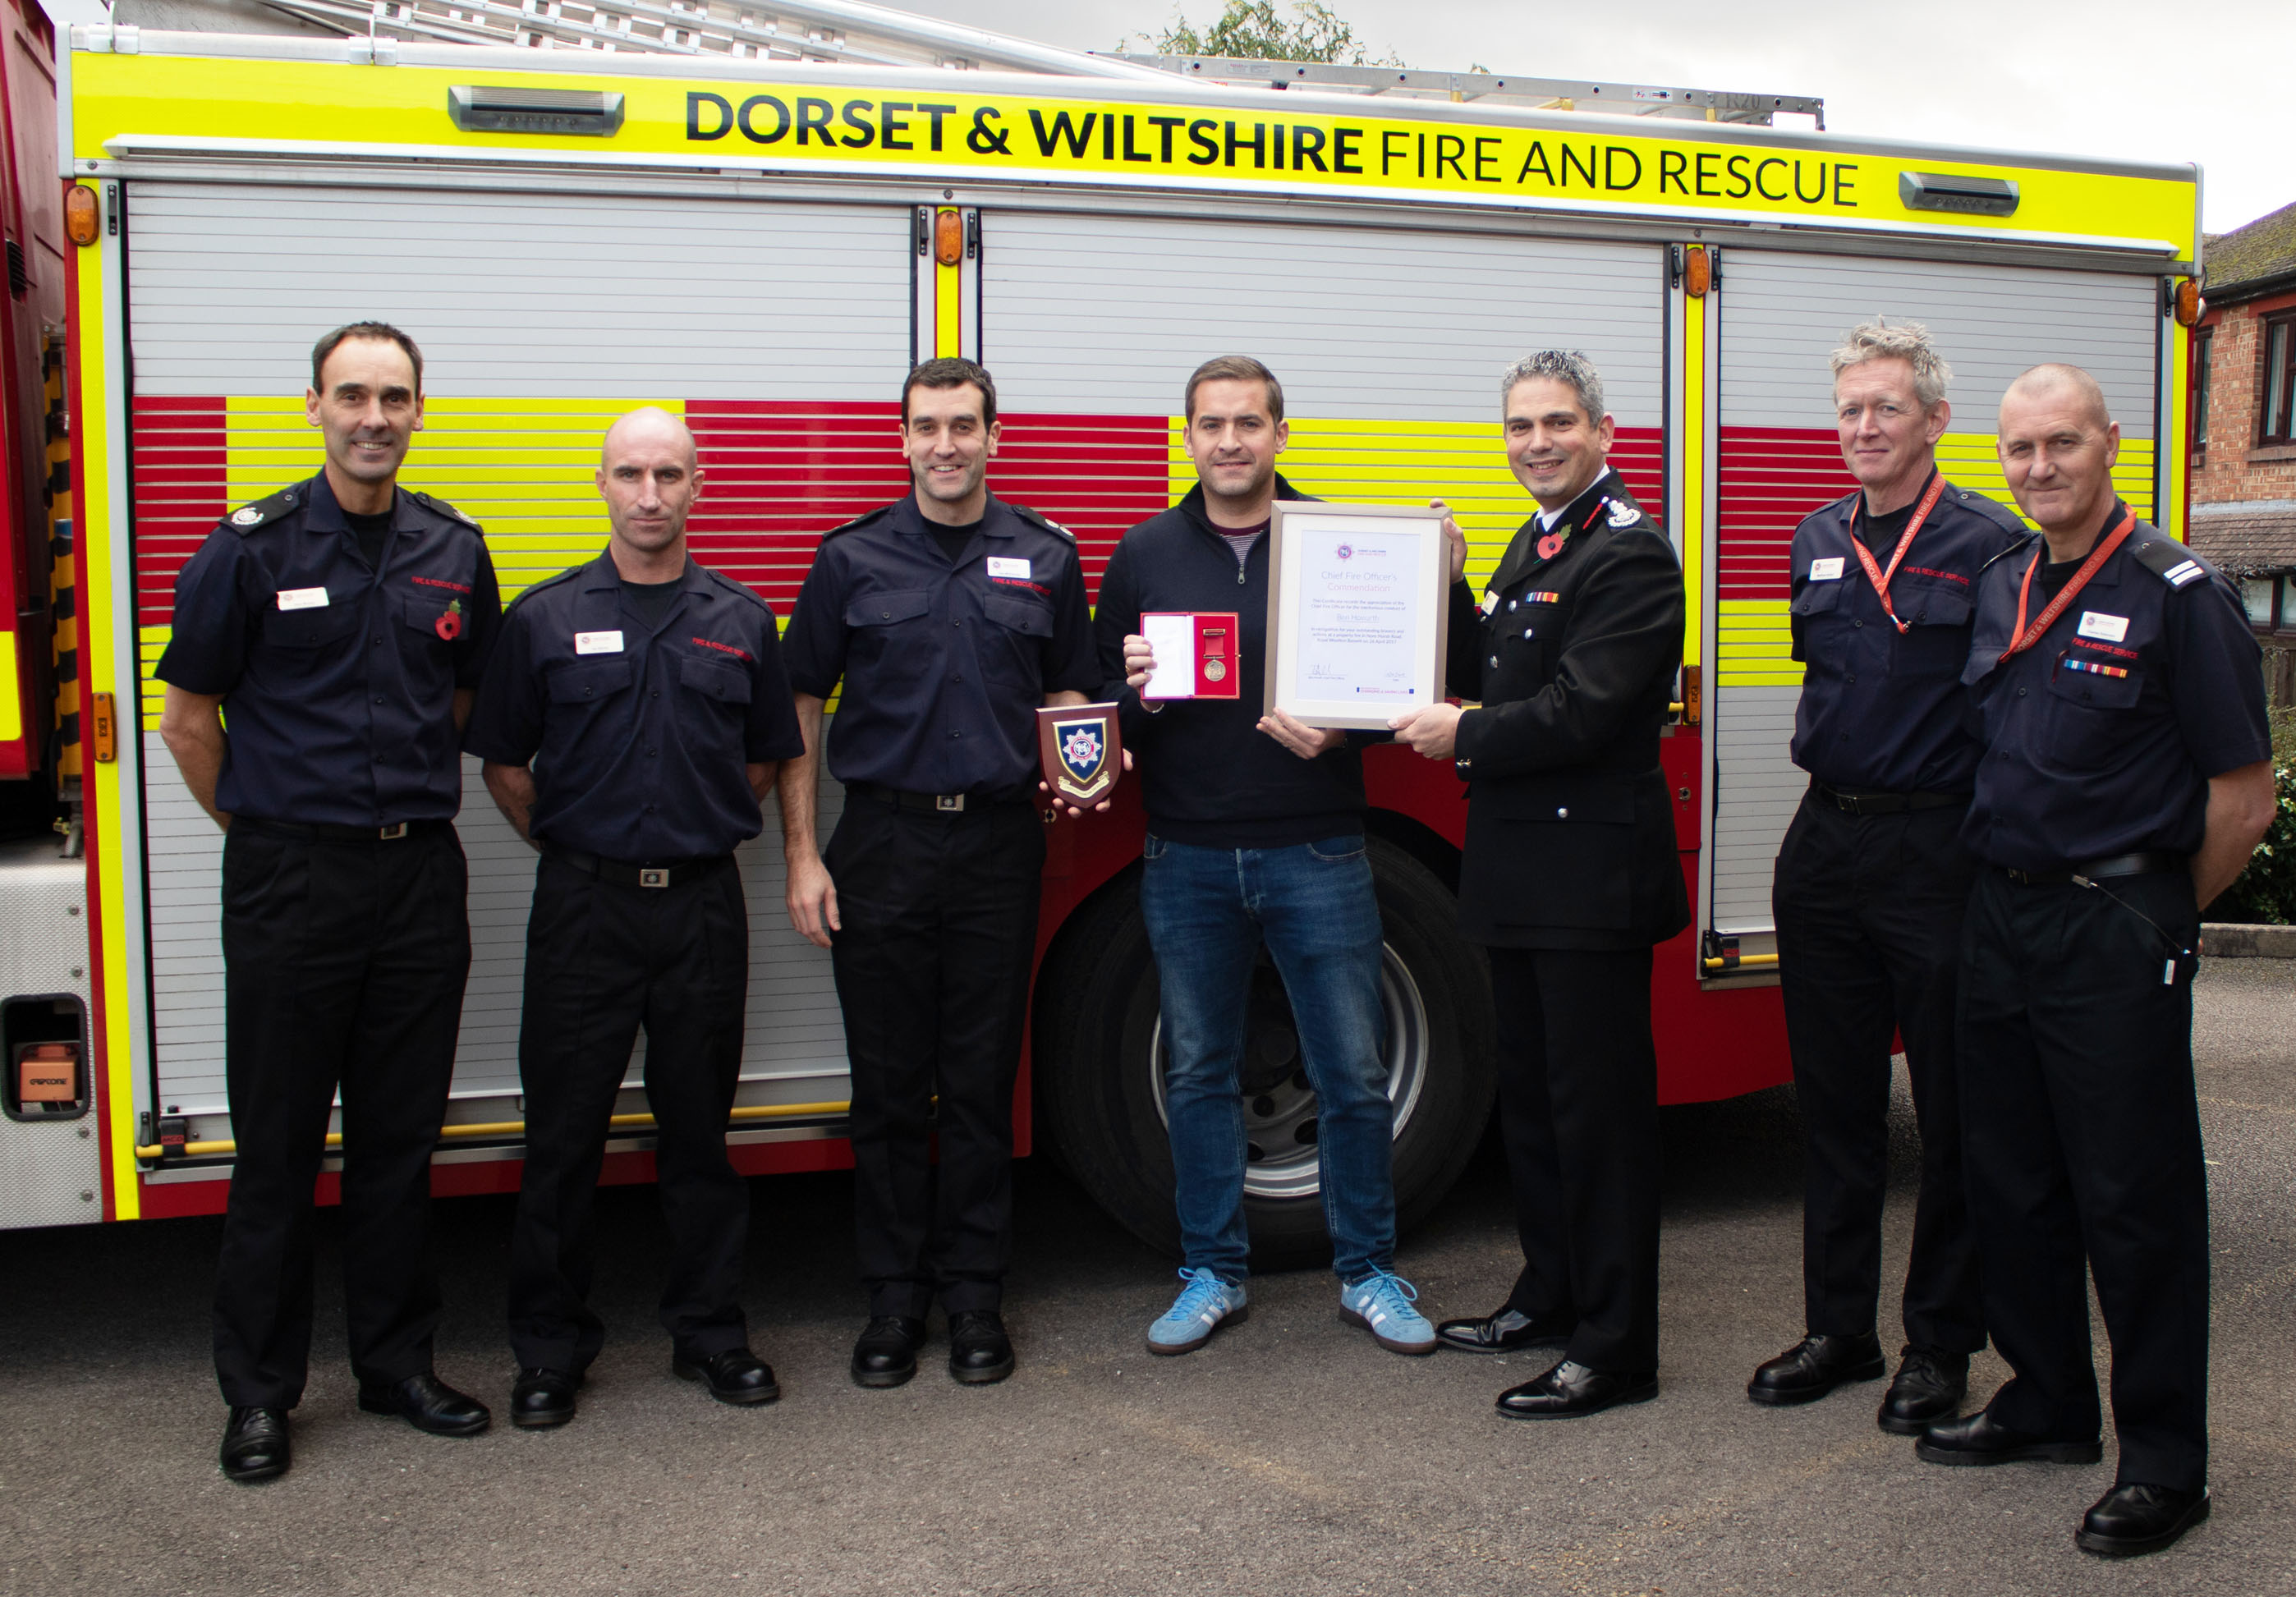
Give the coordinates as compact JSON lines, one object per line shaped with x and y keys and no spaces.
{"x":2266,"y":892}
{"x":1253,"y":30}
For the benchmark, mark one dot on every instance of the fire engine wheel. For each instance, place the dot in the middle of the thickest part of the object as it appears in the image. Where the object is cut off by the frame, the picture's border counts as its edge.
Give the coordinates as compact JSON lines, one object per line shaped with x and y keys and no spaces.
{"x":1100,"y":1069}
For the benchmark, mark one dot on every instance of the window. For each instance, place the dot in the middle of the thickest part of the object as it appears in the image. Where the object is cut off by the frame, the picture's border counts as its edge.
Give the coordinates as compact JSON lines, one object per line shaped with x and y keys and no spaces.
{"x":2201,"y":390}
{"x":2256,"y":593}
{"x":2277,"y":409}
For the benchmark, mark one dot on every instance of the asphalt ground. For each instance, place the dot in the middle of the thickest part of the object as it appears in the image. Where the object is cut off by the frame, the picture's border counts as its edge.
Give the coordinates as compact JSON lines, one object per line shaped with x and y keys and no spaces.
{"x":1292,"y":1456}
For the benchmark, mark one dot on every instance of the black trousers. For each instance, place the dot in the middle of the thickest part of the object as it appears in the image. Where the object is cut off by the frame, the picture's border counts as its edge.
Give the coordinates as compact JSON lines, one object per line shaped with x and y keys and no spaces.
{"x":343,"y":968}
{"x":1869,"y":915}
{"x":1579,"y":1112}
{"x":2082,"y":1139}
{"x":602,"y":960}
{"x":932,"y":968}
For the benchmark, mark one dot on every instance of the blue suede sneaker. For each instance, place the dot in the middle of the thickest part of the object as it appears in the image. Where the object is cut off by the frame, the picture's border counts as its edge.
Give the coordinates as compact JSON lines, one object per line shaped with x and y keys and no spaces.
{"x":1204,"y":1305}
{"x":1380,"y":1303}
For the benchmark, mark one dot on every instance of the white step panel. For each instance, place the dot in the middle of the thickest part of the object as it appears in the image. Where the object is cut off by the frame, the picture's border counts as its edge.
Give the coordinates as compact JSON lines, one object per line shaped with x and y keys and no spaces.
{"x":1757,"y":788}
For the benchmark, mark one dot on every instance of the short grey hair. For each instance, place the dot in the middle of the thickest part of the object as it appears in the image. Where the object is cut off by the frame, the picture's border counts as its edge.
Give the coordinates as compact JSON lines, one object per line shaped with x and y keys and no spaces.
{"x":1908,"y":341}
{"x":1562,"y":365}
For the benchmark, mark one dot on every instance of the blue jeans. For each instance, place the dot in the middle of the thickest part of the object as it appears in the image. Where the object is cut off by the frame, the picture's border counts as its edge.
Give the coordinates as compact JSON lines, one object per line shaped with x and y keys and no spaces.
{"x":1208,"y":911}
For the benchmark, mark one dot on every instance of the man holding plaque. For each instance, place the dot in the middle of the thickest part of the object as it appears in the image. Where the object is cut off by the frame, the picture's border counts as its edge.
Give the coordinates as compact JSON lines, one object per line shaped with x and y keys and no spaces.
{"x":1255,"y":835}
{"x":950,"y":618}
{"x":1571,"y":876}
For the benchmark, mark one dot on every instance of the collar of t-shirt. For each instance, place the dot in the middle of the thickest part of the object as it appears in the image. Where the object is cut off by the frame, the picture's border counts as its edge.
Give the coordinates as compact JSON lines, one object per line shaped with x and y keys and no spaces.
{"x":1240,"y":539}
{"x":1881,"y":533}
{"x":953,"y":539}
{"x":370,"y":531}
{"x":652,"y":600}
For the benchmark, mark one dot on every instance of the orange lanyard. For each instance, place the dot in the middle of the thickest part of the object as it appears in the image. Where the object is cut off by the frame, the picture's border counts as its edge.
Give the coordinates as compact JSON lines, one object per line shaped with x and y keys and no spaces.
{"x":1873,"y":573}
{"x":2025,"y":637}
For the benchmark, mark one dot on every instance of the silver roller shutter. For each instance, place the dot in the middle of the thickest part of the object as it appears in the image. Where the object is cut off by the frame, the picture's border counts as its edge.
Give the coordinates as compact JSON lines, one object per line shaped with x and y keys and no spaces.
{"x":1781,"y":316}
{"x":539,"y":317}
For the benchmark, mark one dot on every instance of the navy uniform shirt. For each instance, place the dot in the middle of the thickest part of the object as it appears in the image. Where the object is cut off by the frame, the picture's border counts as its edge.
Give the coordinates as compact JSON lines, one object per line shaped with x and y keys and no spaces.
{"x":639,"y":734}
{"x":2100,"y":739}
{"x":945,"y":663}
{"x":1884,"y":711}
{"x":338,"y":679}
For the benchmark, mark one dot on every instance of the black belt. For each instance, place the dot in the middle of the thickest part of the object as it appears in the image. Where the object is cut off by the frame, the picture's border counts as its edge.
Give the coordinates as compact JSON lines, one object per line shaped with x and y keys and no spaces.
{"x":2120,"y":864}
{"x":669,"y":872}
{"x":930,"y":803}
{"x":305,"y":833}
{"x":1884,"y":804}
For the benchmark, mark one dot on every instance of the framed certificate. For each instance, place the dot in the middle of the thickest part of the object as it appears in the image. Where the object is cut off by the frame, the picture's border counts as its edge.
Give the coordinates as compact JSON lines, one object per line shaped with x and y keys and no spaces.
{"x":1358,"y":601}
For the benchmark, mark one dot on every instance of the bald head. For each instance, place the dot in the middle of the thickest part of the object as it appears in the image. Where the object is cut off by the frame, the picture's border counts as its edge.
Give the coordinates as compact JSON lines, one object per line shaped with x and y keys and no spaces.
{"x":648,"y":474}
{"x":2068,"y":385}
{"x":2058,"y":446}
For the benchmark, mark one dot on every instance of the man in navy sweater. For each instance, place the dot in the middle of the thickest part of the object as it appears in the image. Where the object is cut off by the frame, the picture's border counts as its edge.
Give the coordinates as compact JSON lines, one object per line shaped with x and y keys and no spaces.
{"x":1255,"y":838}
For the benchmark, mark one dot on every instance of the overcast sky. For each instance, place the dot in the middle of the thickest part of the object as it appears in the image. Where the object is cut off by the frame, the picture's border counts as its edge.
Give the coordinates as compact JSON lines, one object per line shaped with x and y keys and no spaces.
{"x":2207,"y":80}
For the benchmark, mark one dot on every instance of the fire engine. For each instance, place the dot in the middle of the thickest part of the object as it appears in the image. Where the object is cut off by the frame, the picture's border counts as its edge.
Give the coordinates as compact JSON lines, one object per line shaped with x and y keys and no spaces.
{"x":760,"y":216}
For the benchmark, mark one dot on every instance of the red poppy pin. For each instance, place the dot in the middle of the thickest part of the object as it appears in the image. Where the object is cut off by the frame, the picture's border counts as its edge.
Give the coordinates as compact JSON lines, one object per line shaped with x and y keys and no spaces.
{"x":449,"y":624}
{"x":1552,"y":544}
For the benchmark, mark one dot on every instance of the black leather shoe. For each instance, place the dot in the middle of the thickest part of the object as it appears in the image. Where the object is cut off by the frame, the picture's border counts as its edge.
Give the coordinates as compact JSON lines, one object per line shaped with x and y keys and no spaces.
{"x":1814,"y":1366}
{"x":886,"y":1355}
{"x":2134,"y":1518}
{"x":428,"y":1403}
{"x":979,"y":1352}
{"x":1503,"y":1333}
{"x":1928,"y":1388}
{"x":541,"y":1398}
{"x":736,"y":1376}
{"x":1979,"y":1439}
{"x":255,"y":1446}
{"x":1572,"y":1389}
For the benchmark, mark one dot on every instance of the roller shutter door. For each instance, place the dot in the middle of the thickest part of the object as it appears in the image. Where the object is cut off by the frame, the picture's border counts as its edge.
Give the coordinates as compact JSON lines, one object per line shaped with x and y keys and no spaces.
{"x":1779,"y":459}
{"x":781,"y":331}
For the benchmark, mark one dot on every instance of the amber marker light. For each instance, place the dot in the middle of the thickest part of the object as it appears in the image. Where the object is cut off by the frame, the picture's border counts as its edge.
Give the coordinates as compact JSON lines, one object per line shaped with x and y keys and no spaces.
{"x":2189,"y":304}
{"x":948,"y":237}
{"x":81,"y":223}
{"x":1697,"y":272}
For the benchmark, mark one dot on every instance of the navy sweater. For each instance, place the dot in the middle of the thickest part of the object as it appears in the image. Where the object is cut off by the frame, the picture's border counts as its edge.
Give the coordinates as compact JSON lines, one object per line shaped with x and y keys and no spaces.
{"x":1207,"y":774}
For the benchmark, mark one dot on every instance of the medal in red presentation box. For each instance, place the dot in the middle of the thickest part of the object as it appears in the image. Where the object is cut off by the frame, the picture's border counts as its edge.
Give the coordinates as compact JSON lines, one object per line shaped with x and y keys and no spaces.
{"x":1195,"y":654}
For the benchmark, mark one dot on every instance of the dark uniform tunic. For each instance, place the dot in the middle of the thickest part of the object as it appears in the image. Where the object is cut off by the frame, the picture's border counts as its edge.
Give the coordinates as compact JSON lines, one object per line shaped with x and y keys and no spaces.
{"x":640,"y":730}
{"x":2081,"y":1130}
{"x":937,"y":858}
{"x":345,"y":937}
{"x":1871,"y":883}
{"x":1571,"y":874}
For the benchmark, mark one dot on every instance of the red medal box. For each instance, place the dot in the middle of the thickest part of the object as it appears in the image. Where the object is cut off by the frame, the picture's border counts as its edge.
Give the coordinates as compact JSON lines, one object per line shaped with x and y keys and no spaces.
{"x":1195,"y":654}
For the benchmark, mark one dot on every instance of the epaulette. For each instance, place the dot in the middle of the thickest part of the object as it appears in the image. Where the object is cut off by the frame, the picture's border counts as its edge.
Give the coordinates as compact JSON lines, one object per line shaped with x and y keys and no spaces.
{"x":2169,"y":560}
{"x":444,"y":509}
{"x":863,"y":519}
{"x":247,"y":518}
{"x":2019,"y":547}
{"x":1038,"y":518}
{"x":1991,"y":509}
{"x":548,"y":582}
{"x":739,"y":589}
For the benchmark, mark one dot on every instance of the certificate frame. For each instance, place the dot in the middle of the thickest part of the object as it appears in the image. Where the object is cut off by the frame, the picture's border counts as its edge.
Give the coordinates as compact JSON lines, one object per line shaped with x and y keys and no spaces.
{"x":1300,"y":527}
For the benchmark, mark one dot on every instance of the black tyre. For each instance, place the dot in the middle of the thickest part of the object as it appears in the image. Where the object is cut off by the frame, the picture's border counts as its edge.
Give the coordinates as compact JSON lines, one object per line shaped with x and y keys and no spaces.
{"x":1099,"y":1067}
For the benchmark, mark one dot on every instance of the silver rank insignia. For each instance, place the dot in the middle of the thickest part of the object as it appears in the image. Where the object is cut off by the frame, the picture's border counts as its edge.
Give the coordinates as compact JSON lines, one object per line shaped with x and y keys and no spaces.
{"x":247,"y":517}
{"x":1623,"y":515}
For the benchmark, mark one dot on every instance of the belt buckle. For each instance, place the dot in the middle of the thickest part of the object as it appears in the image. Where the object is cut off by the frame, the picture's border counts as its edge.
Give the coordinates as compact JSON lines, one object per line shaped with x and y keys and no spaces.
{"x":657,"y":877}
{"x":952,"y":802}
{"x":392,"y":834}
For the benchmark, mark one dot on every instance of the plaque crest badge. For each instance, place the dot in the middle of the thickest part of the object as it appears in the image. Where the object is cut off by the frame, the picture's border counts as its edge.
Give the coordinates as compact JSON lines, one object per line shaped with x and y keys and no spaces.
{"x":1081,"y":751}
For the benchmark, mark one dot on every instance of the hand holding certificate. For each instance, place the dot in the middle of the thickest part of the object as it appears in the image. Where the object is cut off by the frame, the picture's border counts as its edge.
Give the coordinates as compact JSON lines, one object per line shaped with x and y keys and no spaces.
{"x":1357,"y":607}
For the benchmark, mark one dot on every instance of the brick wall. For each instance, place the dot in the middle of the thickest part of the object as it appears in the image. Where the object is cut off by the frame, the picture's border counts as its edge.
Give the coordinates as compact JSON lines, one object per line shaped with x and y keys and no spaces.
{"x":2233,"y":467}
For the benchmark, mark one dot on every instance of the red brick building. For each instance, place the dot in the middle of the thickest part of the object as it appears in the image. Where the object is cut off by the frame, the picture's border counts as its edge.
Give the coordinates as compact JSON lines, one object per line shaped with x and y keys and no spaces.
{"x":2244,"y":443}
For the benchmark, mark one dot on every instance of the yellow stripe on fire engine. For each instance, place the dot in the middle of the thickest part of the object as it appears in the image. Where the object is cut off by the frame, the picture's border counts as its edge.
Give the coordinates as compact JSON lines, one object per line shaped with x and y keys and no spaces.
{"x":521,"y":468}
{"x":12,"y":717}
{"x":1754,"y":641}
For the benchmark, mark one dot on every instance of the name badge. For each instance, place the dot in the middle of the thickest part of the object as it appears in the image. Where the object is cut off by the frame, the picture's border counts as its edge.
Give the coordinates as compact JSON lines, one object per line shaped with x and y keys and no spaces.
{"x":1491,"y":603}
{"x":302,"y":598}
{"x":597,"y":642}
{"x":1827,"y":571}
{"x":2096,"y":624}
{"x":1001,"y":565}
